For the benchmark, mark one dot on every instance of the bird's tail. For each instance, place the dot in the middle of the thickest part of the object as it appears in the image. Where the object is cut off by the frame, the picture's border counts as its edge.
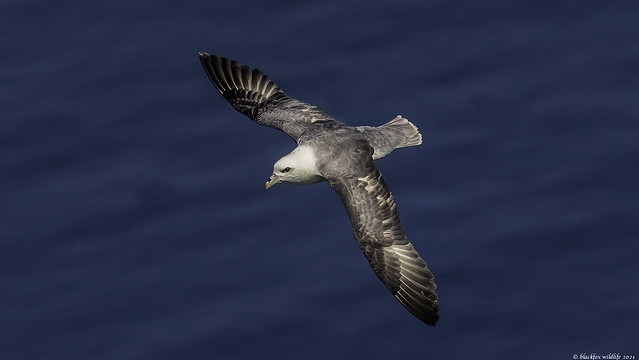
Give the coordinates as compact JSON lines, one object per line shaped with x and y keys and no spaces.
{"x":411,"y":135}
{"x":244,"y":88}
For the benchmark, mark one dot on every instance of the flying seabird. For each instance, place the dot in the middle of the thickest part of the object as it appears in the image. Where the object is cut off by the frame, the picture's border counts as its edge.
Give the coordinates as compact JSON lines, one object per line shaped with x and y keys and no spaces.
{"x":329,"y":150}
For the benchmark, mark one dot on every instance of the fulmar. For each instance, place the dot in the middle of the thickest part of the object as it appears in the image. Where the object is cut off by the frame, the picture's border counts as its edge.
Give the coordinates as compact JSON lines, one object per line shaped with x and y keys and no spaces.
{"x":329,"y":150}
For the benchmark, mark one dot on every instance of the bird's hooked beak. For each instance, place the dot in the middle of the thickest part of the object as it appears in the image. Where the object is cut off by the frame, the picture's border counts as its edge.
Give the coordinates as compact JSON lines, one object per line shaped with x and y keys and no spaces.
{"x":274,"y":179}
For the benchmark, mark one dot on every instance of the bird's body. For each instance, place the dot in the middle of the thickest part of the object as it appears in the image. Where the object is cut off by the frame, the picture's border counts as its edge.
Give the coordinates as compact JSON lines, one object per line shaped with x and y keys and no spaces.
{"x":329,"y":150}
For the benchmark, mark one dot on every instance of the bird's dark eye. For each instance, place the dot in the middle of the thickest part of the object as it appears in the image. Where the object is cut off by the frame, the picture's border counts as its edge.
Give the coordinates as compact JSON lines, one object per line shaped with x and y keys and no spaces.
{"x":286,"y":169}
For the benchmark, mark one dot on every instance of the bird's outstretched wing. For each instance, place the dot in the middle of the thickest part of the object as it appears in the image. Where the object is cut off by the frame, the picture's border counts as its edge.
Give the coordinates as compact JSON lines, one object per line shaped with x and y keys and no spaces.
{"x":375,"y":221}
{"x":253,"y":94}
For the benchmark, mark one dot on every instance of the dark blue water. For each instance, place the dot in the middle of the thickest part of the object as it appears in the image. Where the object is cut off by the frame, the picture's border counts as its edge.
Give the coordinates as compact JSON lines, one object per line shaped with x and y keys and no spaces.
{"x":134,"y":223}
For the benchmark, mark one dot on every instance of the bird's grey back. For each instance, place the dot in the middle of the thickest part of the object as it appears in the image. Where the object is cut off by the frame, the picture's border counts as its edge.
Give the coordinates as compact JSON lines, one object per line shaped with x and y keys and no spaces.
{"x":341,"y":152}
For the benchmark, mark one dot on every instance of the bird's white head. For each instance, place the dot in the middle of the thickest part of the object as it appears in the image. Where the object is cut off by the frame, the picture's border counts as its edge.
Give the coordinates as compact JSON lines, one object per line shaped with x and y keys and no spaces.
{"x":298,"y":167}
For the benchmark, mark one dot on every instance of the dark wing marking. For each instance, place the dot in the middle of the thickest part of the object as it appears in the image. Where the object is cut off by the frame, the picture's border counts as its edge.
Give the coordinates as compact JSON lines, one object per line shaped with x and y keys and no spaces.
{"x":375,"y":221}
{"x":253,"y":94}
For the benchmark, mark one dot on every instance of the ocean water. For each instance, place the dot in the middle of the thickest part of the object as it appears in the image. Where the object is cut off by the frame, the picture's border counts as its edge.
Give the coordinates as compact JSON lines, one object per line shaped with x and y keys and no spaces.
{"x":134,"y":223}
